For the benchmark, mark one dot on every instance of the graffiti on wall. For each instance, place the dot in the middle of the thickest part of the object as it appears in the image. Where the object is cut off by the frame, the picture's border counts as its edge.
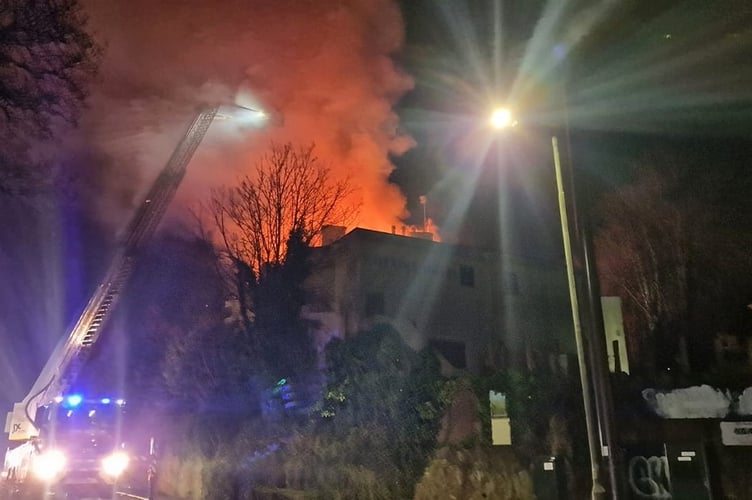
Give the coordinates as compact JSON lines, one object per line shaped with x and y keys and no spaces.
{"x":649,"y":477}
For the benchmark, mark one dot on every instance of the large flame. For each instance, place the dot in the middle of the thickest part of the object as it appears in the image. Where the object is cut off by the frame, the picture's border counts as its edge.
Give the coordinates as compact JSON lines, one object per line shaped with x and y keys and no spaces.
{"x":326,"y":66}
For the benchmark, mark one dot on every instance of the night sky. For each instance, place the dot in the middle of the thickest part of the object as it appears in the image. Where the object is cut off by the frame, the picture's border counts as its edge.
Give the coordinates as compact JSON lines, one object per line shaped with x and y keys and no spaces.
{"x":386,"y":90}
{"x":629,"y":78}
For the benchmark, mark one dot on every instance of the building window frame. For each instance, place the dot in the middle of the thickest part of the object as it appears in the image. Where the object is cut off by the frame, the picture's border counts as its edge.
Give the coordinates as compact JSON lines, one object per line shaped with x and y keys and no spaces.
{"x":467,"y":276}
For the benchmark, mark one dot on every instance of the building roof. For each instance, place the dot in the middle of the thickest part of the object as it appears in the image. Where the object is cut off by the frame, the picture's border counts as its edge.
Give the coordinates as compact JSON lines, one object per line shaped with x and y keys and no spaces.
{"x":372,"y":237}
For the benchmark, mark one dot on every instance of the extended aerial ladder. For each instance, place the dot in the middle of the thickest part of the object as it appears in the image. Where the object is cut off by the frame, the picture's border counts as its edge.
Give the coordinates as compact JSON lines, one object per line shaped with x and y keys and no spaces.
{"x":71,"y":352}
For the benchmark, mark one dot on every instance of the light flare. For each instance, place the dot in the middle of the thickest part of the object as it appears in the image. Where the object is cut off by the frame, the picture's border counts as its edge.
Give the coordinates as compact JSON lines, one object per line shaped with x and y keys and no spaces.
{"x":115,"y":464}
{"x":49,"y":465}
{"x":502,"y":118}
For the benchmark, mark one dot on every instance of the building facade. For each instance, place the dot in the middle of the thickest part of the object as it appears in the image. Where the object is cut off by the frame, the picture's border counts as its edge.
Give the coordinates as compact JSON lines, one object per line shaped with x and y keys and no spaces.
{"x":476,"y":307}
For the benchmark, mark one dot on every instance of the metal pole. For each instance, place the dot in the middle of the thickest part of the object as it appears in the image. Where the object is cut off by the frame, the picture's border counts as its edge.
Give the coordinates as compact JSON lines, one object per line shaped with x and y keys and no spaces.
{"x":599,"y":363}
{"x":597,"y":491}
{"x":596,"y":347}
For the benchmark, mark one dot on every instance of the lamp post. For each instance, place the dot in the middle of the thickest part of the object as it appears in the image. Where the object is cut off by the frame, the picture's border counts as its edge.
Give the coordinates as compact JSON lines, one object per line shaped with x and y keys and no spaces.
{"x":502,"y":118}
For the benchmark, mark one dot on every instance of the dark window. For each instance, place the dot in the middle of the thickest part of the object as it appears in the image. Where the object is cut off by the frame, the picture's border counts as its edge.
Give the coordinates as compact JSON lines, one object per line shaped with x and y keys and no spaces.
{"x":374,"y":304}
{"x":617,"y":358}
{"x":467,"y":276}
{"x":454,"y":352}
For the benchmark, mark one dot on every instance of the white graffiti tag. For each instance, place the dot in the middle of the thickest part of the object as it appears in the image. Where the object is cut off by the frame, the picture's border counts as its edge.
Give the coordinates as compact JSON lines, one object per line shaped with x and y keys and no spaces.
{"x":649,"y":477}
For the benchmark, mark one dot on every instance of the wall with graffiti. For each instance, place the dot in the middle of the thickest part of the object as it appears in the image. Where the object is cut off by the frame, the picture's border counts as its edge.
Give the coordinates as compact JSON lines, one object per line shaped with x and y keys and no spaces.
{"x":668,"y":471}
{"x":648,"y":477}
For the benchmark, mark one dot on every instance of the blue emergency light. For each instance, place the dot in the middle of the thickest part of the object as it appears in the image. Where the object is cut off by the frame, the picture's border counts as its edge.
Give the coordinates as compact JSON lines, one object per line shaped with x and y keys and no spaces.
{"x":73,"y":400}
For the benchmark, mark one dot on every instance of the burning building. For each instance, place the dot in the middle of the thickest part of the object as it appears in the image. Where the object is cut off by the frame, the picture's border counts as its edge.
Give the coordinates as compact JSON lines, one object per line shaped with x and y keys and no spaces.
{"x":475,"y":307}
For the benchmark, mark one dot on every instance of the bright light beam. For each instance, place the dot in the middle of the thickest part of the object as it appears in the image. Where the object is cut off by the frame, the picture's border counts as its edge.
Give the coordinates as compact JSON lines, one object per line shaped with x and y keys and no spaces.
{"x":502,"y":118}
{"x":241,"y":114}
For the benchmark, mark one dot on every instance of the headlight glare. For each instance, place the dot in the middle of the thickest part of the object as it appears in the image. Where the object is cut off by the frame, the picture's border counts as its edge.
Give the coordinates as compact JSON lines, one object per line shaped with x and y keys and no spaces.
{"x":115,"y":464}
{"x":49,"y":465}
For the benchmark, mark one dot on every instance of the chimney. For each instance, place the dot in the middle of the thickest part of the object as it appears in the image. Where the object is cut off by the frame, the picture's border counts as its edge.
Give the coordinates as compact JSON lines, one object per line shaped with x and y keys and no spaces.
{"x":330,"y":234}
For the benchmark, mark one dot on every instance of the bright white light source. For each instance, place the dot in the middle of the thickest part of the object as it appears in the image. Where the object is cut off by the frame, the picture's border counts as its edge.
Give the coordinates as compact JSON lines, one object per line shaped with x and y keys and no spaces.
{"x":502,"y":118}
{"x":49,"y":465}
{"x":242,"y":115}
{"x":115,"y":464}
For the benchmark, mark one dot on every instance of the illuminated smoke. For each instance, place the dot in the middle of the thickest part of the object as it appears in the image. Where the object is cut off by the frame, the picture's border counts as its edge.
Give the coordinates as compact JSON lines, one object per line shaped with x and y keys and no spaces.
{"x":324,"y":65}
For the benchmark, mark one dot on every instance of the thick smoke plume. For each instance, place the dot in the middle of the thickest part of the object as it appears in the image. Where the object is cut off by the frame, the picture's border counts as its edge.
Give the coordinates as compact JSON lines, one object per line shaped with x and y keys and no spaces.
{"x":324,"y":65}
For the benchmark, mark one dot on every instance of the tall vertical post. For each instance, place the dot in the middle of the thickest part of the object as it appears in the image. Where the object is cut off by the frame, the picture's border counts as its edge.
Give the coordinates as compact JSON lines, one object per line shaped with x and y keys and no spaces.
{"x":597,"y":491}
{"x":596,"y":347}
{"x":599,"y":363}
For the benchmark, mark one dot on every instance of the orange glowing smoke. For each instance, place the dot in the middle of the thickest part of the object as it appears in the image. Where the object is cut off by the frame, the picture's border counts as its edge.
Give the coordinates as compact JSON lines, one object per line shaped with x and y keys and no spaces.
{"x":325,"y":65}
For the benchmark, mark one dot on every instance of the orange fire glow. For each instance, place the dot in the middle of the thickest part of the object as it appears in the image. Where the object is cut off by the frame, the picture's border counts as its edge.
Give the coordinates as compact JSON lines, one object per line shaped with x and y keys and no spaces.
{"x":326,"y":66}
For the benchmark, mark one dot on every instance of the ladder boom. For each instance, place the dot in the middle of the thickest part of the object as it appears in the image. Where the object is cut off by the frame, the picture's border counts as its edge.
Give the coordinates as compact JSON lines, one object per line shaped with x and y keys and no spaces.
{"x":70,"y":354}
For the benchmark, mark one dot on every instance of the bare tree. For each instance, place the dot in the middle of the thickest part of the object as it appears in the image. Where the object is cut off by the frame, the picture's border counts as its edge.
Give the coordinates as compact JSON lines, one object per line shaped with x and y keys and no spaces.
{"x":674,"y":245}
{"x":46,"y":62}
{"x":643,"y":256}
{"x":291,"y":189}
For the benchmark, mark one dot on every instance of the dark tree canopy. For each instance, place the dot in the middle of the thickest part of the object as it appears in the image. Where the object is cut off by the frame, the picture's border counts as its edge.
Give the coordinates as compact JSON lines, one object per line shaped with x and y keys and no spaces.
{"x":184,"y":352}
{"x":278,"y":298}
{"x":47,"y":59}
{"x":383,"y":397}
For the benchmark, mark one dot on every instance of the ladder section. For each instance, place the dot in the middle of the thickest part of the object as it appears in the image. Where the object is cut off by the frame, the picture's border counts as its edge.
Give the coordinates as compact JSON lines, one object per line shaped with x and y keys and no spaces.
{"x":70,"y":354}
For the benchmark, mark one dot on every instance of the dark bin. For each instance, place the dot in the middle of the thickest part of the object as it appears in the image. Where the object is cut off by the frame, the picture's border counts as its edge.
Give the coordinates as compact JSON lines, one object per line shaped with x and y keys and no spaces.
{"x":689,"y":471}
{"x":549,"y":478}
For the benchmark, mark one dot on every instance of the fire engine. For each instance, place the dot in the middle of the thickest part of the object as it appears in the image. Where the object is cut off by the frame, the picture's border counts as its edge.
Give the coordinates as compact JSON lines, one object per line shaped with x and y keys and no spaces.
{"x":70,"y":443}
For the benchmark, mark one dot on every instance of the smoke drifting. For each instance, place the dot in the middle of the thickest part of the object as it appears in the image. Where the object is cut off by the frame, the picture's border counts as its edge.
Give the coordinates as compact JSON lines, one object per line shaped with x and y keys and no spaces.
{"x":325,"y":65}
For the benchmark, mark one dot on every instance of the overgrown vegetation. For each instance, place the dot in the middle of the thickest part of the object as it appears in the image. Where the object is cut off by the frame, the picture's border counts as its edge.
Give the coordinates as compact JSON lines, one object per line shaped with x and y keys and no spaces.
{"x":370,"y":436}
{"x":374,"y":433}
{"x":375,"y":428}
{"x":545,"y":412}
{"x":546,"y":418}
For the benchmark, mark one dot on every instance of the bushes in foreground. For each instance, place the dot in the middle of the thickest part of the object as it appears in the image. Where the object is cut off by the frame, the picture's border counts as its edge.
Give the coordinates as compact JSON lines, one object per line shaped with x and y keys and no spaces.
{"x":370,"y":436}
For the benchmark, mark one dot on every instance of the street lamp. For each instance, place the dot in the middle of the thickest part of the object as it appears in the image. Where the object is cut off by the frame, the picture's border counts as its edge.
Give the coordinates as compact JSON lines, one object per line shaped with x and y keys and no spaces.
{"x":502,"y":118}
